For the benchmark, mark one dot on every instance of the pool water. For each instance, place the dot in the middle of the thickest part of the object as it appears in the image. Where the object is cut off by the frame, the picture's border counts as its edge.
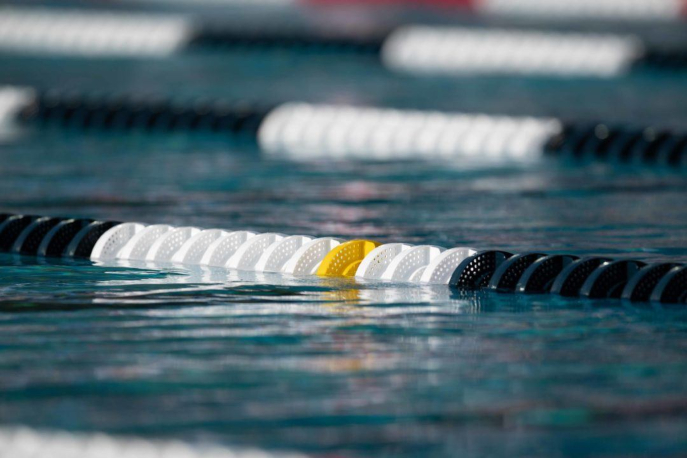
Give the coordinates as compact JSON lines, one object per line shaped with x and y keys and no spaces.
{"x":340,"y":367}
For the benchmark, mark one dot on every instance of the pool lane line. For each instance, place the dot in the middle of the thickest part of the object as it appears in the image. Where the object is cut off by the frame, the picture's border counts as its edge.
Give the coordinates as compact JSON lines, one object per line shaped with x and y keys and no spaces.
{"x":616,"y":10}
{"x":304,"y":132}
{"x":24,"y":442}
{"x":415,"y":49}
{"x":366,"y":260}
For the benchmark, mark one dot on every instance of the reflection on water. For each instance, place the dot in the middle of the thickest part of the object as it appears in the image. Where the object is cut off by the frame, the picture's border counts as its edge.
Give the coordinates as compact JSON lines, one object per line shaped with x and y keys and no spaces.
{"x":340,"y":367}
{"x":326,"y":364}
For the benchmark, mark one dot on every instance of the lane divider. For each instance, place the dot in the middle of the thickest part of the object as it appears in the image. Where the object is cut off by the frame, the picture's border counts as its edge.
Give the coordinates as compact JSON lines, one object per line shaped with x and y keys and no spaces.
{"x":77,"y":32}
{"x":366,"y":260}
{"x":304,"y":131}
{"x":24,"y":442}
{"x":634,"y":10}
{"x":626,"y":10}
{"x":455,"y":51}
{"x":301,"y":131}
{"x":410,"y":48}
{"x":12,"y":101}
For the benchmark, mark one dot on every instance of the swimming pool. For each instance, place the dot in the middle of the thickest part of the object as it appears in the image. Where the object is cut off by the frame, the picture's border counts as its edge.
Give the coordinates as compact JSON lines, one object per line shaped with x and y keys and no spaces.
{"x":336,"y":366}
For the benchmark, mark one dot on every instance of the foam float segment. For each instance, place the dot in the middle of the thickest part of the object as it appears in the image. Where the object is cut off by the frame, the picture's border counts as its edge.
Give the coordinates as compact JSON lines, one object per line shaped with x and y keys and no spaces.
{"x":344,"y":260}
{"x":571,"y":279}
{"x":646,"y":149}
{"x":375,"y":263}
{"x":459,"y":50}
{"x":642,"y":284}
{"x":112,"y":241}
{"x":609,"y":279}
{"x":507,"y":275}
{"x":570,"y":141}
{"x":626,"y":142}
{"x":630,"y":11}
{"x":672,"y":288}
{"x":410,"y":264}
{"x":223,"y":248}
{"x":540,"y":275}
{"x":278,"y":254}
{"x":673,"y":151}
{"x":11,"y":228}
{"x":166,"y":246}
{"x":476,"y":271}
{"x":306,"y":131}
{"x":150,"y":114}
{"x":191,"y":251}
{"x":307,"y":259}
{"x":90,"y":33}
{"x":138,"y":246}
{"x":596,"y":143}
{"x":250,"y":252}
{"x":622,"y":144}
{"x":441,"y":268}
{"x":93,"y":232}
{"x":30,"y":239}
{"x":57,"y":240}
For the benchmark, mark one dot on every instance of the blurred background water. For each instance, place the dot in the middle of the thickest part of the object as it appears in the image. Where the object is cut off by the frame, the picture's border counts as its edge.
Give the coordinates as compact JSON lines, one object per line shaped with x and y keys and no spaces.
{"x":339,"y":367}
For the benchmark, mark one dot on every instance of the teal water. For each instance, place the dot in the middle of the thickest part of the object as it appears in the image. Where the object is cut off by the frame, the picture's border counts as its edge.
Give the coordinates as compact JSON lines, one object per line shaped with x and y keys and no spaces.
{"x":338,"y":367}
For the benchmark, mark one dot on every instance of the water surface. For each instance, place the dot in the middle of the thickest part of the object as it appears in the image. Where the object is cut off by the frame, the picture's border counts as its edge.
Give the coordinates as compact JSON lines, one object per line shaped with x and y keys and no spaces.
{"x":338,"y":367}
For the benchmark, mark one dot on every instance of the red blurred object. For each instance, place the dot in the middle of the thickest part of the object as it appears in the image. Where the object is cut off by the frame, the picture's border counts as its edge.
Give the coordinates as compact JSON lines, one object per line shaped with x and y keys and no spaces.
{"x":467,"y":4}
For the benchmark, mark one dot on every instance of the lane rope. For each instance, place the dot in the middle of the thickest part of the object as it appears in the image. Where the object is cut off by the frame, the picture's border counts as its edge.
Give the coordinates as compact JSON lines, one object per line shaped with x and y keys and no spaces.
{"x":303,"y":131}
{"x":366,"y":260}
{"x":626,"y":10}
{"x":456,"y":51}
{"x":637,"y":10}
{"x":413,"y":49}
{"x":23,"y":442}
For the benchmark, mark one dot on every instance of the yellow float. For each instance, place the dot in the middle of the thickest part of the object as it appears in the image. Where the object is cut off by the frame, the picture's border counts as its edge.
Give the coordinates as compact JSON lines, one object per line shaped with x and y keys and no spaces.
{"x":343,"y":260}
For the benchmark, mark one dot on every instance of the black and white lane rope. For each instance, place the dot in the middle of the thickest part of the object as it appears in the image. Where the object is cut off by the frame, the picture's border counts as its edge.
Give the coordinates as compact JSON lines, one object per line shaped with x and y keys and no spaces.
{"x":302,"y":131}
{"x":615,"y":10}
{"x":367,"y":260}
{"x":411,"y":49}
{"x":24,"y":442}
{"x":625,"y":10}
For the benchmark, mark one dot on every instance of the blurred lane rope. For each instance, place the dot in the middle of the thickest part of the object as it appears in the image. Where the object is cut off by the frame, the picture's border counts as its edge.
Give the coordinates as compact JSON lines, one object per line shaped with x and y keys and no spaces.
{"x":22,"y":442}
{"x":420,"y":50}
{"x":627,"y":10}
{"x":302,"y":131}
